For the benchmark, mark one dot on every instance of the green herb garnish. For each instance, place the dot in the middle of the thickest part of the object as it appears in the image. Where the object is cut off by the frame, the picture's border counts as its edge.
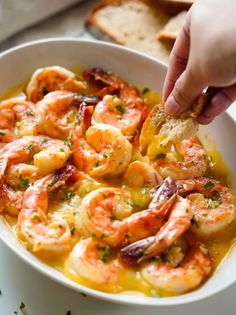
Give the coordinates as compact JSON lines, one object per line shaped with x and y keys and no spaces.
{"x":2,"y":133}
{"x":209,"y":185}
{"x":194,"y":223}
{"x":120,"y":108}
{"x":69,"y":195}
{"x":29,"y":113}
{"x":112,"y":218}
{"x":44,"y":140}
{"x":23,"y":309}
{"x":145,"y":90}
{"x":44,"y":90}
{"x":72,"y":230}
{"x":24,"y":182}
{"x":105,"y":253}
{"x":155,"y":260}
{"x":161,"y":156}
{"x":68,"y":142}
{"x":30,"y":147}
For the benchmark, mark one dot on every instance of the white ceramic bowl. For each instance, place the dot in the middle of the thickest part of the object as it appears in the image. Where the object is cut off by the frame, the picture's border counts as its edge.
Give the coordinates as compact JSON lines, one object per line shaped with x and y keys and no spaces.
{"x":16,"y":66}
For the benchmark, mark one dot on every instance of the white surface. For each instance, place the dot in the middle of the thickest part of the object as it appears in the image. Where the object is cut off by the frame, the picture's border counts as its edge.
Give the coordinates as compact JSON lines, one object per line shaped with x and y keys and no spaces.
{"x":16,"y":15}
{"x":74,"y":51}
{"x":42,"y":296}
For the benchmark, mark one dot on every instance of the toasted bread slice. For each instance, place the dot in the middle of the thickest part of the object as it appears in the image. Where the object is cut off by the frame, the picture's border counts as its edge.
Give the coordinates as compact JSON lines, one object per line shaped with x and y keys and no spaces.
{"x":133,"y":23}
{"x":171,"y":128}
{"x":172,"y":28}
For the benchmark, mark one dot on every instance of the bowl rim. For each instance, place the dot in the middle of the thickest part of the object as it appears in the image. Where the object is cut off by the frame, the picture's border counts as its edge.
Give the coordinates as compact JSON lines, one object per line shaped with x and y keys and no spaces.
{"x":47,"y":270}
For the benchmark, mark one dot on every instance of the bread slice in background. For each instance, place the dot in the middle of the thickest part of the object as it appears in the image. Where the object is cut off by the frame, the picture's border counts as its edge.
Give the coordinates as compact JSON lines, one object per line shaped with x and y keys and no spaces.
{"x":134,"y":23}
{"x":172,"y":28}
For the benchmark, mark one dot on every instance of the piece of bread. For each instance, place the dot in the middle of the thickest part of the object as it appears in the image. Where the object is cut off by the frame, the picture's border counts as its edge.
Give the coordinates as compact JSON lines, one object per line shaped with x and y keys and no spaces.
{"x":172,"y":128}
{"x":133,"y":23}
{"x":172,"y":28}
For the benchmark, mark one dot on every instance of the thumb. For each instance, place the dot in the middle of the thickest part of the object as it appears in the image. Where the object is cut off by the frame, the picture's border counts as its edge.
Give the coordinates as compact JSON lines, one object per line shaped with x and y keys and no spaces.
{"x":184,"y":93}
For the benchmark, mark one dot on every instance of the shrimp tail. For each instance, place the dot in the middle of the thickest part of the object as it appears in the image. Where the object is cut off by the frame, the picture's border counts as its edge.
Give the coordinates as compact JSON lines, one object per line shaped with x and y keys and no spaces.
{"x":60,"y":177}
{"x":105,"y":81}
{"x":164,"y":197}
{"x":135,"y":253}
{"x":165,"y":194}
{"x":88,"y":99}
{"x":86,"y":115}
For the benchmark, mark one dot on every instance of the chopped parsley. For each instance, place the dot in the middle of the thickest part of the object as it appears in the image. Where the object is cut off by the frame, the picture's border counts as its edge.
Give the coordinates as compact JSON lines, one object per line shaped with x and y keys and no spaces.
{"x":68,"y":142}
{"x":97,"y":163}
{"x":105,"y":156}
{"x":24,"y":182}
{"x":145,"y":90}
{"x":23,"y":309}
{"x":44,"y":140}
{"x":69,"y":195}
{"x":209,"y":185}
{"x":77,"y":76}
{"x":126,"y":235}
{"x":144,"y":255}
{"x":129,"y":202}
{"x":44,"y":90}
{"x":78,"y":116}
{"x":30,"y":147}
{"x":165,"y":254}
{"x":105,"y":253}
{"x":155,"y":260}
{"x":83,"y":294}
{"x":72,"y":230}
{"x":112,"y":218}
{"x":213,"y":202}
{"x":62,"y":150}
{"x":120,"y":108}
{"x":2,"y":132}
{"x":161,"y":156}
{"x":194,"y":223}
{"x":29,"y":113}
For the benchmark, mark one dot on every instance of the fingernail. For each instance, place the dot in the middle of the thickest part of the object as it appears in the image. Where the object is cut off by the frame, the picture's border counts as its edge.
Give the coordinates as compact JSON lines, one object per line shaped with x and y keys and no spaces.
{"x":171,"y":107}
{"x":204,"y":119}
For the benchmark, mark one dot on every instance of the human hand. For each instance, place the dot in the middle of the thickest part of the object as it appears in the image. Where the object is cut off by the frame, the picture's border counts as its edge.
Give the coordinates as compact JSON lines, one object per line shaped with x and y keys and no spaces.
{"x":204,"y":55}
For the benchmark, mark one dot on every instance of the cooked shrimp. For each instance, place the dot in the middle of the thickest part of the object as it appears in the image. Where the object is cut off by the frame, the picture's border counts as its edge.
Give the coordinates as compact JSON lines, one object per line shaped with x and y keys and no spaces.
{"x":17,"y":119}
{"x":91,"y":259}
{"x":10,"y":200}
{"x":34,"y":226}
{"x":58,"y":110}
{"x":101,"y":150}
{"x":19,"y":175}
{"x":140,"y":174}
{"x":123,"y":111}
{"x":106,"y":213}
{"x":45,"y":80}
{"x":187,"y":160}
{"x":178,"y":223}
{"x":212,"y":204}
{"x":193,"y":270}
{"x":48,"y":154}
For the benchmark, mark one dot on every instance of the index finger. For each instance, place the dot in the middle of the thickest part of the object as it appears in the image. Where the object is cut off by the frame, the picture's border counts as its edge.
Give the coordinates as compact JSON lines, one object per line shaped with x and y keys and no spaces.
{"x":178,"y":58}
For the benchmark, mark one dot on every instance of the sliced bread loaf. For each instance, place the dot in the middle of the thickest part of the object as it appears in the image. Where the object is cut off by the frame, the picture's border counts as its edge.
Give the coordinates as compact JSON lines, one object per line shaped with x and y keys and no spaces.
{"x":133,"y":23}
